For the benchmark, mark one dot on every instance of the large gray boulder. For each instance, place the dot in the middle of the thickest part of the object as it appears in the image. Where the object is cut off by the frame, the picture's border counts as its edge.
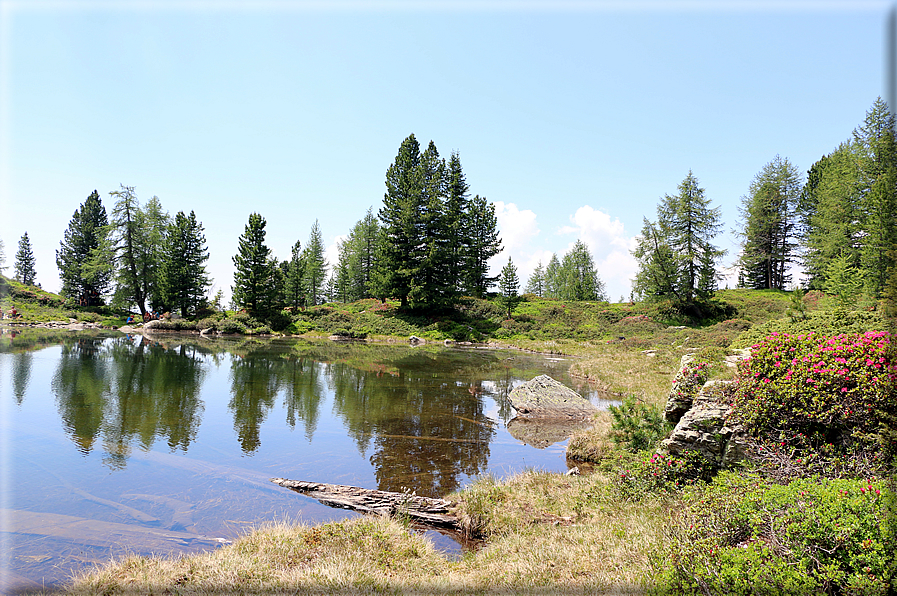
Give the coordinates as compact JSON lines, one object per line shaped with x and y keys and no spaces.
{"x":543,"y":397}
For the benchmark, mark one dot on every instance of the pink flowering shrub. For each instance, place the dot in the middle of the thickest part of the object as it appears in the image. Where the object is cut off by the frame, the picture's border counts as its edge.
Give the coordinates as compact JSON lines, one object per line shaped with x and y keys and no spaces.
{"x":819,"y":390}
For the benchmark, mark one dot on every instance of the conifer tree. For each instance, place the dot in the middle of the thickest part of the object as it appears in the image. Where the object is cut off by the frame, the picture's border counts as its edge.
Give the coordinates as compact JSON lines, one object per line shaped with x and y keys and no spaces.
{"x":482,"y":230}
{"x":294,"y":287}
{"x":315,"y":266}
{"x":769,"y":212}
{"x":253,"y":274}
{"x":578,"y":277}
{"x":659,"y":265}
{"x":84,"y":268}
{"x":553,"y":280}
{"x":24,"y":266}
{"x":399,"y":217}
{"x":2,"y":257}
{"x":457,"y":204}
{"x":536,"y":283}
{"x":183,"y":280}
{"x":508,"y":285}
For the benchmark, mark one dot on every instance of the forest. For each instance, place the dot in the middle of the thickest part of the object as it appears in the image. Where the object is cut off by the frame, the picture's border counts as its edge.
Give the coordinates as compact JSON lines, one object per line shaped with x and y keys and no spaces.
{"x":430,"y":243}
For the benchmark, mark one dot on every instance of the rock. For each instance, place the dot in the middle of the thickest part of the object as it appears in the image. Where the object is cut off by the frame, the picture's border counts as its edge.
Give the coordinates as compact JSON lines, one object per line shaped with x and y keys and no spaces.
{"x":707,"y":429}
{"x":544,"y":432}
{"x":680,"y":397}
{"x":574,"y":471}
{"x":415,"y":340}
{"x":544,"y":397}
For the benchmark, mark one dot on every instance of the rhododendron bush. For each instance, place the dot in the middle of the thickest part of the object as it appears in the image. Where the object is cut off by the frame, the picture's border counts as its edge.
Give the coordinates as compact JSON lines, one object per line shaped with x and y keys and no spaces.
{"x":836,"y":390}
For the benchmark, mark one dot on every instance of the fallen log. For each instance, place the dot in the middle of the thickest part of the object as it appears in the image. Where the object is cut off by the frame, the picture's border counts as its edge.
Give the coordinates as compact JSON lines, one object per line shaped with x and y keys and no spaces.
{"x":435,"y":513}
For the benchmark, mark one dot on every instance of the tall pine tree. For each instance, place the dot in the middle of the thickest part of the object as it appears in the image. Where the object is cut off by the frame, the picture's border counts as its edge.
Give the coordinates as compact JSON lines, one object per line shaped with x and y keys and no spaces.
{"x":253,"y":274}
{"x":183,"y":279}
{"x":84,"y":268}
{"x":24,"y":266}
{"x":770,"y":218}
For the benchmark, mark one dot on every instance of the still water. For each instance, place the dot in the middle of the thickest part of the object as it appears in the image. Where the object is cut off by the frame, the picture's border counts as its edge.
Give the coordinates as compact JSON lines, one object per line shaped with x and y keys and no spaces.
{"x":123,"y":444}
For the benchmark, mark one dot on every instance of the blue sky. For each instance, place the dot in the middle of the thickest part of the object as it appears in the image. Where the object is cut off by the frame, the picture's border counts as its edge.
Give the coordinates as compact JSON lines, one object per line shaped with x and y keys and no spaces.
{"x":573,"y":118}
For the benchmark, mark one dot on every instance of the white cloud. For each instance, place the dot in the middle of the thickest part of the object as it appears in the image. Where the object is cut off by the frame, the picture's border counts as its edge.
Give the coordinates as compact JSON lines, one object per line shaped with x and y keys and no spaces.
{"x":516,"y":227}
{"x":610,"y":247}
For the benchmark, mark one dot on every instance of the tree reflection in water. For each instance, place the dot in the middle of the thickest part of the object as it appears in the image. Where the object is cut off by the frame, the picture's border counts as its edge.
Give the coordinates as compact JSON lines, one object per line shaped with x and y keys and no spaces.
{"x":417,"y":414}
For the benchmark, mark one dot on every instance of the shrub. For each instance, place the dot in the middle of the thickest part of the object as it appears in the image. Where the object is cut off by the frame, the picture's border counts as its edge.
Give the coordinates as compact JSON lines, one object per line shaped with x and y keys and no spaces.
{"x":821,"y":322}
{"x":650,"y":473}
{"x":838,"y":390}
{"x":636,"y":425}
{"x":231,"y":326}
{"x":742,"y":535}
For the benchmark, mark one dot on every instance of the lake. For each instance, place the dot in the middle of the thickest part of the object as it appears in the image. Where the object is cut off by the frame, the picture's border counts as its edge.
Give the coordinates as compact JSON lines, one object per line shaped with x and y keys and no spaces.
{"x":115,"y":444}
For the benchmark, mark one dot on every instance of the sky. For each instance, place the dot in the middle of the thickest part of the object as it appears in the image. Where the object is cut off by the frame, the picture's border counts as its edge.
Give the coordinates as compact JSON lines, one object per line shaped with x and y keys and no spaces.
{"x":574,"y":118}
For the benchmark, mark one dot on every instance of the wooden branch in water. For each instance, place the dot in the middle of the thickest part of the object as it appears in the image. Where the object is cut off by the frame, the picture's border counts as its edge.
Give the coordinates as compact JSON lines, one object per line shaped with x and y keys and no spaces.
{"x":435,"y":513}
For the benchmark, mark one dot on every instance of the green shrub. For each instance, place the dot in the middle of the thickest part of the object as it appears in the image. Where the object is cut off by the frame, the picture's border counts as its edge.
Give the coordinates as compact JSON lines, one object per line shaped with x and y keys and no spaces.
{"x":650,"y":473}
{"x":636,"y":425}
{"x":837,"y":390}
{"x":821,"y":322}
{"x":743,"y":535}
{"x":231,"y":326}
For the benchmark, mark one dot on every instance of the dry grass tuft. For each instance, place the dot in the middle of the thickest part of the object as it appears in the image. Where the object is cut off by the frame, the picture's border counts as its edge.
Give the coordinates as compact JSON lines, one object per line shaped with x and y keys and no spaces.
{"x":547,"y":533}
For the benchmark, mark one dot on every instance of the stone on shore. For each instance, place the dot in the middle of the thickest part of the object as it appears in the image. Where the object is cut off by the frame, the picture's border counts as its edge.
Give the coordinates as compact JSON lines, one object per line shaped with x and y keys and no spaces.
{"x":546,"y":398}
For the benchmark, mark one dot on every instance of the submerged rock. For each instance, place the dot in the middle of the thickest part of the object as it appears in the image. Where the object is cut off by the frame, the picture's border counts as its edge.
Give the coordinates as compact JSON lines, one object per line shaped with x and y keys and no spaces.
{"x":544,"y":432}
{"x":546,"y":398}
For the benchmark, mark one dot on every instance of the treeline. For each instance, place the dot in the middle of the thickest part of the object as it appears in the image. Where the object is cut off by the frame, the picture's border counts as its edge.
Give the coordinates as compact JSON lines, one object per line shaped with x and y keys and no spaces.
{"x":839,"y":225}
{"x":140,"y":255}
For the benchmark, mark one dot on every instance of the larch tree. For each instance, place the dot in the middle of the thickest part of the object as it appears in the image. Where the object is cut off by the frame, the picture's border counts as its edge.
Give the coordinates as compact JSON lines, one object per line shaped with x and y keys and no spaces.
{"x":84,"y":266}
{"x":536,"y":282}
{"x":553,"y":280}
{"x":24,"y":265}
{"x":578,"y":277}
{"x":315,"y":265}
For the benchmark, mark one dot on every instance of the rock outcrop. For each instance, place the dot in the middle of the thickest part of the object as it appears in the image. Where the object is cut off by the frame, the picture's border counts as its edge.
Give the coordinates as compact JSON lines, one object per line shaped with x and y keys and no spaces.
{"x":543,"y":397}
{"x":707,"y":428}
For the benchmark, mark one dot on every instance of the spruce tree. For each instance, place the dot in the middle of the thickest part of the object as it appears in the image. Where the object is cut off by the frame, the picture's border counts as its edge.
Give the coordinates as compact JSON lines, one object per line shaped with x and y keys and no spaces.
{"x":84,"y":268}
{"x":457,"y":203}
{"x":24,"y":266}
{"x":508,"y":285}
{"x":253,"y":274}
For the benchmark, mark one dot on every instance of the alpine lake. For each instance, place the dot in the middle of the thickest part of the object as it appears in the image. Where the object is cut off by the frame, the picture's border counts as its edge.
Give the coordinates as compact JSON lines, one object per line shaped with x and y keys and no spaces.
{"x":116,"y":444}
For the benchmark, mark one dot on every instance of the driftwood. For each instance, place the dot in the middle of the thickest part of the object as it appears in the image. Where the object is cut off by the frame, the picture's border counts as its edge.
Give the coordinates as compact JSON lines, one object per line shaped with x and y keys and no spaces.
{"x":435,"y":513}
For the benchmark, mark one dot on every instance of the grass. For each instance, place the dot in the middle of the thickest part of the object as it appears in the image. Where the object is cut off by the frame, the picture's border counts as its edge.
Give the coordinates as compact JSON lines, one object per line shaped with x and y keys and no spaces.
{"x":547,"y":533}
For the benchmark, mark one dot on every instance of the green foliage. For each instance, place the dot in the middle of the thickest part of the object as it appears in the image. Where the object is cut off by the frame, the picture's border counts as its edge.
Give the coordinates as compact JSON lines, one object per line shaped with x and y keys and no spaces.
{"x":676,"y":258}
{"x":182,"y":277}
{"x":843,"y":280}
{"x":835,"y":390}
{"x":637,"y":426}
{"x":83,"y":269}
{"x":742,"y":535}
{"x":646,"y":474}
{"x":315,"y":266}
{"x":253,"y":277}
{"x":507,"y":286}
{"x":819,"y":322}
{"x":24,"y":266}
{"x":769,"y":213}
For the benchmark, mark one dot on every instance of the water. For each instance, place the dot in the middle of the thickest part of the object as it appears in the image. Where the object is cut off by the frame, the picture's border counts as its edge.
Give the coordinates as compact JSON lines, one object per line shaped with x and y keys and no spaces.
{"x":115,"y":445}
